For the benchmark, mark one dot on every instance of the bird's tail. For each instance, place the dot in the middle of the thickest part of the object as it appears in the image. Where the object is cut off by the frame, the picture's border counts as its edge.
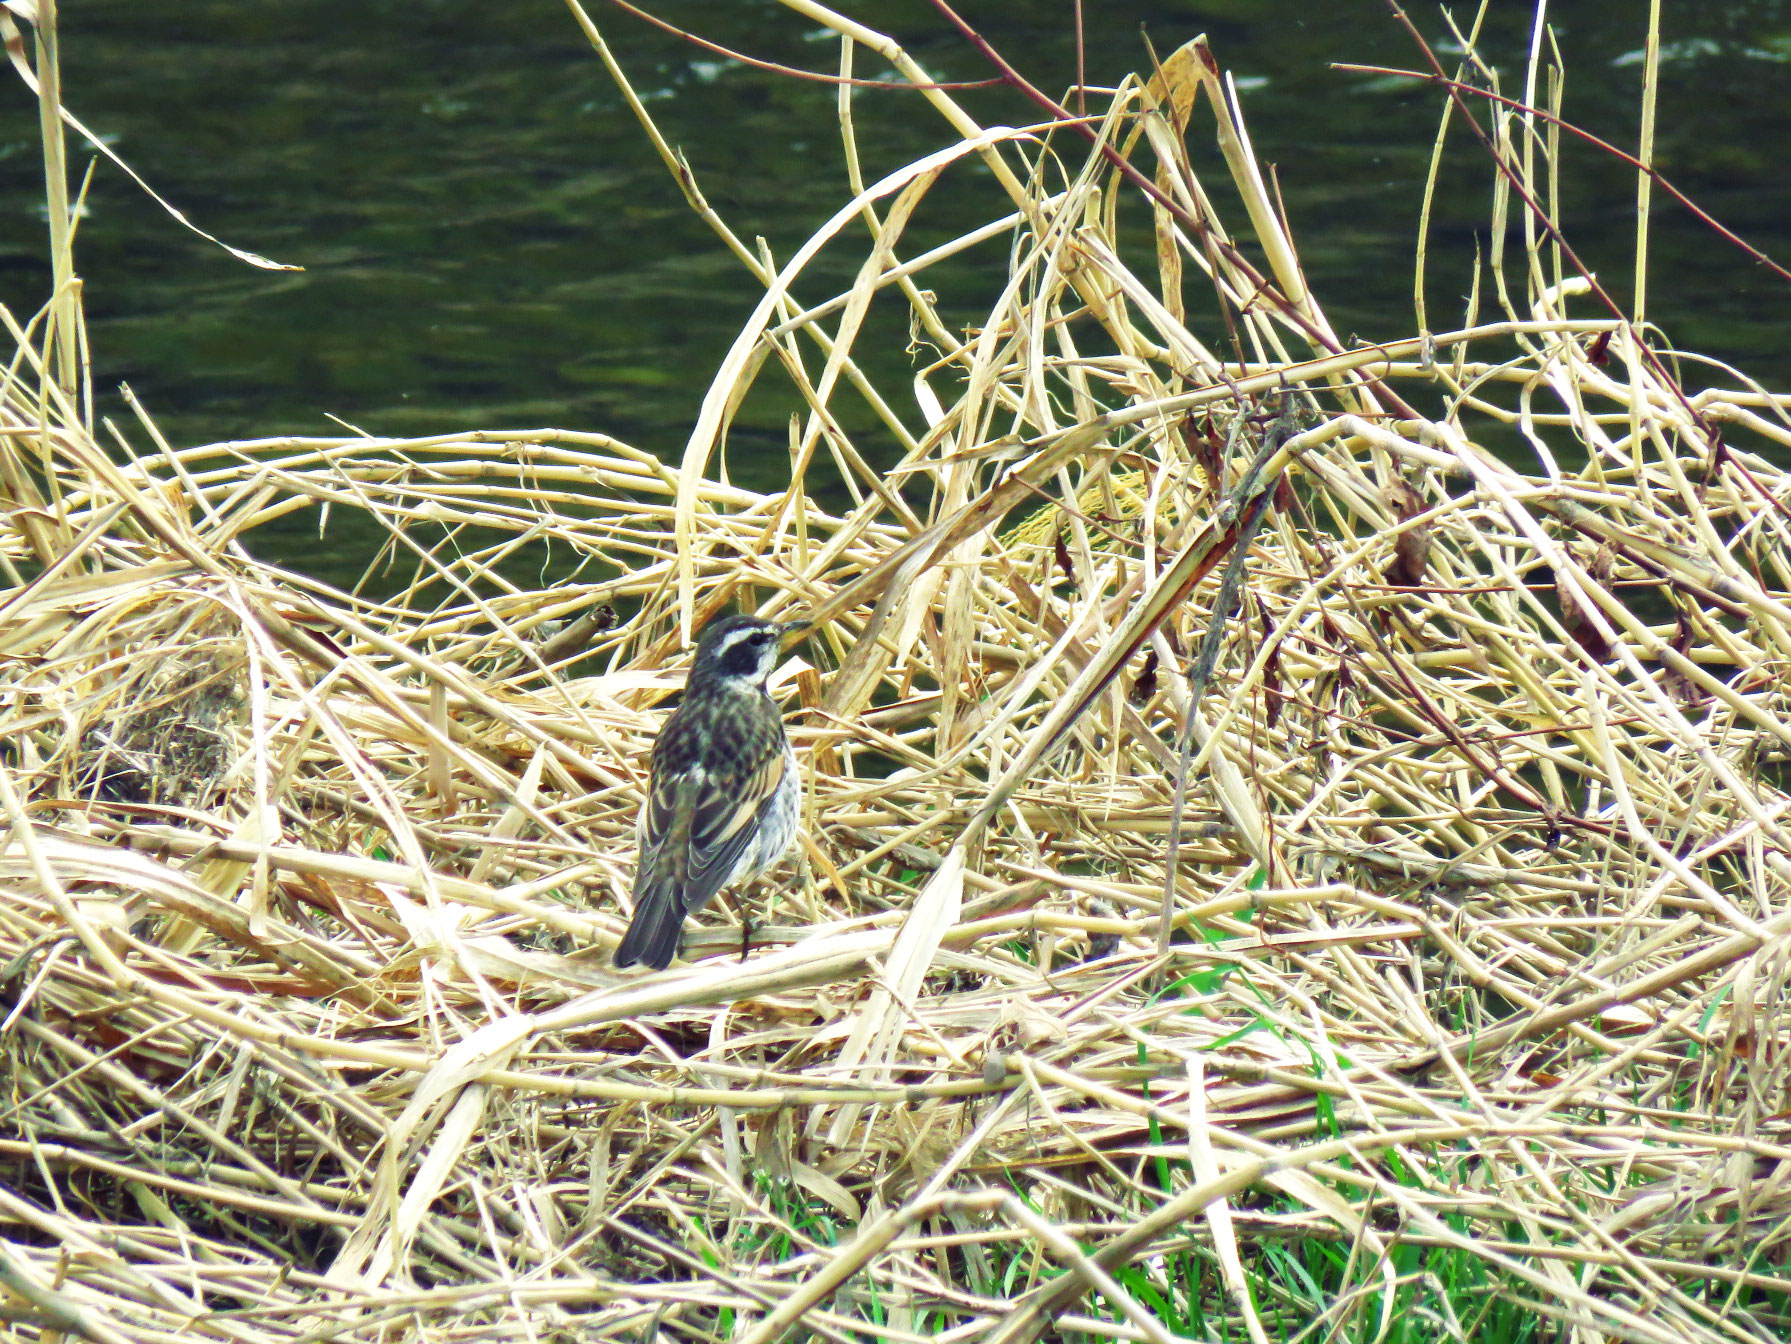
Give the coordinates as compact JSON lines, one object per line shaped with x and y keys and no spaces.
{"x":652,"y":938}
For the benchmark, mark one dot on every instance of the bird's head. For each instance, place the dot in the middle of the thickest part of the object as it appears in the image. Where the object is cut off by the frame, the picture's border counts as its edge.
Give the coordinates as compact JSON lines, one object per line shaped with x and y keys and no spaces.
{"x":740,"y":650}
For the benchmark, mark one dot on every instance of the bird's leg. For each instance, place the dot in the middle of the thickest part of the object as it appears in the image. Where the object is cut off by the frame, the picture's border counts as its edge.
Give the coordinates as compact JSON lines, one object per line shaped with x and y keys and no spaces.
{"x":735,"y":903}
{"x":747,"y":905}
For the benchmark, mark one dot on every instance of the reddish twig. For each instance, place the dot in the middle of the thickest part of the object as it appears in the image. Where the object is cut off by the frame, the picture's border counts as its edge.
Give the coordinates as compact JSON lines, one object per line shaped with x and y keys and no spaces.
{"x":1518,"y":105}
{"x":1124,"y":166}
{"x":1713,"y":444}
{"x":794,"y":72}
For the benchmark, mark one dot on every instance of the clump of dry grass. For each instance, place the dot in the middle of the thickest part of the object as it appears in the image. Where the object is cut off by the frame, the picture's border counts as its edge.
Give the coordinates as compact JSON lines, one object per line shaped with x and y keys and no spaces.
{"x":1477,"y":930}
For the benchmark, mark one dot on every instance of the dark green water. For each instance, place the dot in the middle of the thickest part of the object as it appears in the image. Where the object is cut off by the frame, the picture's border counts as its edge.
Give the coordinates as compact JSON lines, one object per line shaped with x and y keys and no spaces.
{"x":489,"y":241}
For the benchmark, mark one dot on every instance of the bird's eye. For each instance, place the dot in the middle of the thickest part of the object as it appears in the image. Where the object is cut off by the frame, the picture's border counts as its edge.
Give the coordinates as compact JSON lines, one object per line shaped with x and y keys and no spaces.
{"x":761,"y":637}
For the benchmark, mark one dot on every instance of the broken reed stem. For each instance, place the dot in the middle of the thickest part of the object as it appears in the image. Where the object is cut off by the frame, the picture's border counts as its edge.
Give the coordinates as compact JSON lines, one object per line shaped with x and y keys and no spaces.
{"x":1251,"y":501}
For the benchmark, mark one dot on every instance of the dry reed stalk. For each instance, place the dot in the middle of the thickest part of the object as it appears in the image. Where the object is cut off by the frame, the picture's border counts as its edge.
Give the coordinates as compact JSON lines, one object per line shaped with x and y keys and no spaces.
{"x":1478,"y":938}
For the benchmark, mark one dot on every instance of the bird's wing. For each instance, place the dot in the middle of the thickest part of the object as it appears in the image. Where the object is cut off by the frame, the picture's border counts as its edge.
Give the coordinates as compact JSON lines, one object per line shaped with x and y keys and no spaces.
{"x":699,"y":821}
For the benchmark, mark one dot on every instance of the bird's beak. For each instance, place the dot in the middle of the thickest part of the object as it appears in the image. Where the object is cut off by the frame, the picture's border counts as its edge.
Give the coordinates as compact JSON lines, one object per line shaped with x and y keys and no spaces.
{"x":794,"y":632}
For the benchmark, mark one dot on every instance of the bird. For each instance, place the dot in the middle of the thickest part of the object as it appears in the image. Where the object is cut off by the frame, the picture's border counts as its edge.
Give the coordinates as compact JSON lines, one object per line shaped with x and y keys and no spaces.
{"x":723,"y":792}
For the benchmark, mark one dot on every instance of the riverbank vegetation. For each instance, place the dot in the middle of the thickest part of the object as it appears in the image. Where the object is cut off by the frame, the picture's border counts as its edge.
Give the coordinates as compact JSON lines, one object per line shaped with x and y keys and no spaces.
{"x":1295,"y":826}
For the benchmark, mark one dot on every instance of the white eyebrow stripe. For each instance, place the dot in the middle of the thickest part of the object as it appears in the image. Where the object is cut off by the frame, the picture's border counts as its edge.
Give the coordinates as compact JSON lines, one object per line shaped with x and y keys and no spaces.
{"x":733,"y":637}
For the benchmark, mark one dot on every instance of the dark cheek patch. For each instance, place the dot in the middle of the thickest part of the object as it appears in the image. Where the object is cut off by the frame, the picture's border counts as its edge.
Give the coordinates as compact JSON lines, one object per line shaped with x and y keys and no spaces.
{"x":742,"y":660}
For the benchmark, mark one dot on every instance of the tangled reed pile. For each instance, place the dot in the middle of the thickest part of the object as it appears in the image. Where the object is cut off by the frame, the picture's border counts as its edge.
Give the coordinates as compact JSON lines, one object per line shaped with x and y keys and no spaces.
{"x":1474,"y":963}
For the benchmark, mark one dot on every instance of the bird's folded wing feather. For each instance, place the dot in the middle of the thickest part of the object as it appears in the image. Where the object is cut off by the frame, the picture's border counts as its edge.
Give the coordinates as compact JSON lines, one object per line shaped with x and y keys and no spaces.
{"x":700,"y":821}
